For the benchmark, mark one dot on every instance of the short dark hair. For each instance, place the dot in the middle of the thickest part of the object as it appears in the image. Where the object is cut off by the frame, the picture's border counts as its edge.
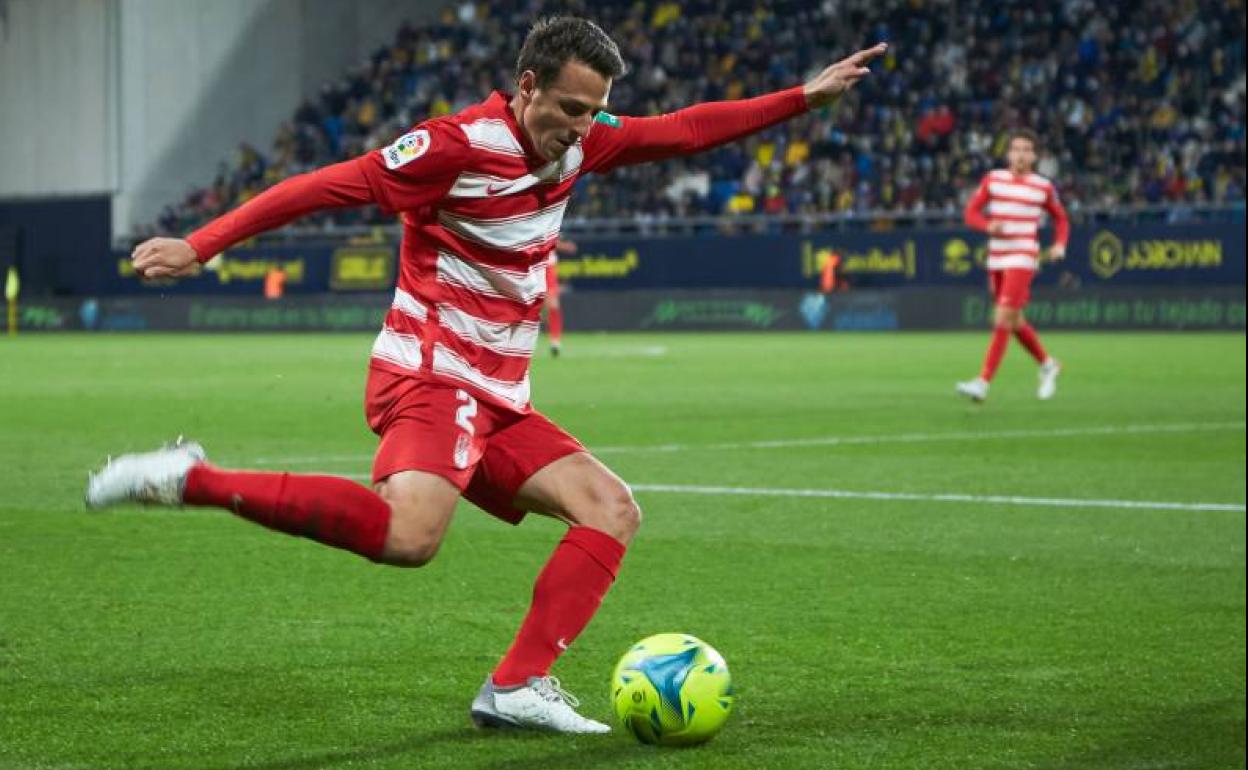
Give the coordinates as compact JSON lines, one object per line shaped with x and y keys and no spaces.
{"x":556,"y":40}
{"x":1025,"y":133}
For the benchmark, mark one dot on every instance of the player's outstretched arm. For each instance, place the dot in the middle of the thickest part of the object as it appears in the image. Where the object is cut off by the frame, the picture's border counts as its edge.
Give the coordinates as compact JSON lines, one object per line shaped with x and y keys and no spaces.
{"x":836,"y":79}
{"x":336,"y":186}
{"x":624,"y":141}
{"x":417,"y":168}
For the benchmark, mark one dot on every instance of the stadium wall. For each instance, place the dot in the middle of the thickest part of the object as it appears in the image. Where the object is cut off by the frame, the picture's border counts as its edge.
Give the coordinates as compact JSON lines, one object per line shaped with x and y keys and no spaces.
{"x":1119,"y":276}
{"x":1196,"y":308}
{"x":57,"y":88}
{"x":199,"y":78}
{"x":142,"y":99}
{"x":1100,"y":256}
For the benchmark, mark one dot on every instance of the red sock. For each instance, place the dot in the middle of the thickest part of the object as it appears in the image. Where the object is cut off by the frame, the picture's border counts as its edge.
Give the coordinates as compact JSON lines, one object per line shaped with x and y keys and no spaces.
{"x":996,"y":351}
{"x":565,"y":597}
{"x":554,"y":324}
{"x":330,"y":510}
{"x":1027,"y":335}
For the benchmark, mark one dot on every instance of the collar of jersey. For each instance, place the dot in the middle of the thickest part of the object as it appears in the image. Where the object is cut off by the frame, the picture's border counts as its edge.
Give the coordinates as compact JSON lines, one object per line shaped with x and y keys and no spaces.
{"x":500,"y":102}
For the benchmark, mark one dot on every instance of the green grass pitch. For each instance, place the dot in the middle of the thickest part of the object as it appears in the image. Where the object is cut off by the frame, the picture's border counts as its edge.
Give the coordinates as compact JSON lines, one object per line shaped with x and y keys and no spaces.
{"x":1010,"y":623}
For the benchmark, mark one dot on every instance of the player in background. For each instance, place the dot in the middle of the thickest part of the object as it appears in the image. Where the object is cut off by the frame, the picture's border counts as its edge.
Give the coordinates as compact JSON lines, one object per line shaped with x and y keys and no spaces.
{"x":1008,"y":205}
{"x":554,"y":313}
{"x":481,"y":196}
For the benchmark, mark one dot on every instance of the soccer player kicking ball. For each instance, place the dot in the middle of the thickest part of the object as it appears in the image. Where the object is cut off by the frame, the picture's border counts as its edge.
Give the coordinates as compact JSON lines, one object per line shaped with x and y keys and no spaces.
{"x":1007,"y":206}
{"x":481,"y":195}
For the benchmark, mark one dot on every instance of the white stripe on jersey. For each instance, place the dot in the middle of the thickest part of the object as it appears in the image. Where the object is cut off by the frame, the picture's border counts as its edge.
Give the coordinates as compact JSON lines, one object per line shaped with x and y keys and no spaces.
{"x":1020,"y":191}
{"x":511,"y":233}
{"x":492,"y":135}
{"x":518,"y":339}
{"x":1014,"y":227}
{"x":492,"y":281}
{"x":409,"y":306}
{"x":471,"y":185}
{"x":448,"y":364}
{"x":1009,"y":209}
{"x":1013,"y":261}
{"x":401,"y":349}
{"x":1017,"y":244}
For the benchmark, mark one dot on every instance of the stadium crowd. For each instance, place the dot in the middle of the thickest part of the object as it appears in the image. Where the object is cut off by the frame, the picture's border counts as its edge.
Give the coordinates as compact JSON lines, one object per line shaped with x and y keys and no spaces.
{"x":1136,"y":102}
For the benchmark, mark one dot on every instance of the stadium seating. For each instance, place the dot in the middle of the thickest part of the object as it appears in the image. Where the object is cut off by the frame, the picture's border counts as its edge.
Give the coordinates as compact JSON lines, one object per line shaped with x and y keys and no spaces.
{"x":1137,"y":103}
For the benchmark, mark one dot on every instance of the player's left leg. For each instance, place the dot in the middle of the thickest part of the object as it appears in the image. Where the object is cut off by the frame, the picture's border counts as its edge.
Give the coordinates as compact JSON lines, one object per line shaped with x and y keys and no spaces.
{"x":602,"y":518}
{"x":1026,"y":335}
{"x":535,"y":466}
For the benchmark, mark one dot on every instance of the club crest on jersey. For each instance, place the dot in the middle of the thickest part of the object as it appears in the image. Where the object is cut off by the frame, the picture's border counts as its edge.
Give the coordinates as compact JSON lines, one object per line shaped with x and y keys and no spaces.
{"x":406,"y":149}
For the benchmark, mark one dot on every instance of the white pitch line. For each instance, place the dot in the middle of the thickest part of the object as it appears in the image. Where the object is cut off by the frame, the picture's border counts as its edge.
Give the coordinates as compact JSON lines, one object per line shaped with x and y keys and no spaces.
{"x":916,"y":438}
{"x":896,"y":438}
{"x":916,"y":497}
{"x":844,"y":494}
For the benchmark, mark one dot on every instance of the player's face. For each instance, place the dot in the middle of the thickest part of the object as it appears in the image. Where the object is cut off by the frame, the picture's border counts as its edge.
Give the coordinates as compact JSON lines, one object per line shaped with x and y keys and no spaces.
{"x":1021,"y":156}
{"x":557,"y":116}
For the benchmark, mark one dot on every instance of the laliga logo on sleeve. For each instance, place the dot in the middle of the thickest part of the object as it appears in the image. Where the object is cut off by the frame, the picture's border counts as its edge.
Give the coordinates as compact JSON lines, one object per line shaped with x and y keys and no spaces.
{"x":406,"y":149}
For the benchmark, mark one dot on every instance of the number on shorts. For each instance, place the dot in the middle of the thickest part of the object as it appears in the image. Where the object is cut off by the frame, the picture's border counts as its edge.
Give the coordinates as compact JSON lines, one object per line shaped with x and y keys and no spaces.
{"x":463,"y":418}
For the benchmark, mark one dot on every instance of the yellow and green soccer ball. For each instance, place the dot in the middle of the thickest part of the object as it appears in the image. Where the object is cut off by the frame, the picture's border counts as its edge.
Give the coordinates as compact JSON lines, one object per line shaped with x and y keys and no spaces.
{"x":672,"y":690}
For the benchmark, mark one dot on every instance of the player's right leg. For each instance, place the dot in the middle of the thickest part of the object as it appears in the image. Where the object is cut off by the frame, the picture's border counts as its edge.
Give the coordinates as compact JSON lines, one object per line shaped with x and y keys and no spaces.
{"x":401,"y":523}
{"x":554,"y":312}
{"x":1010,"y":291}
{"x":1003,"y":320}
{"x":425,"y":457}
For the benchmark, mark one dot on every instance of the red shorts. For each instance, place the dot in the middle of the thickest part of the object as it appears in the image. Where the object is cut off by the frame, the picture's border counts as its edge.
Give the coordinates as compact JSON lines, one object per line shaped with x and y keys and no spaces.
{"x":1011,"y":288}
{"x":488,"y":452}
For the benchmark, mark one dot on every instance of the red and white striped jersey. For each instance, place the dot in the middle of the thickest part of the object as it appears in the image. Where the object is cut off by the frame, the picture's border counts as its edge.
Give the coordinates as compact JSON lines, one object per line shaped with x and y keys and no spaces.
{"x":480,"y":218}
{"x":1017,"y":202}
{"x":481,"y":214}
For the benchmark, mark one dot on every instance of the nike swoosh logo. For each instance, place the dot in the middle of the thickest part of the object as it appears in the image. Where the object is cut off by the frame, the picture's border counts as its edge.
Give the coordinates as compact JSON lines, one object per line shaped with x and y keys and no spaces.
{"x":496,"y":189}
{"x":561,"y":644}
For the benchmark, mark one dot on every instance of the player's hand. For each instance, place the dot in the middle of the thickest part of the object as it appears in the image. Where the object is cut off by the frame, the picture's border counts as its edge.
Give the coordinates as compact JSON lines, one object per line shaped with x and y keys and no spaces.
{"x":996,"y":228}
{"x":164,"y":258}
{"x":1057,"y":252}
{"x":827,"y":86}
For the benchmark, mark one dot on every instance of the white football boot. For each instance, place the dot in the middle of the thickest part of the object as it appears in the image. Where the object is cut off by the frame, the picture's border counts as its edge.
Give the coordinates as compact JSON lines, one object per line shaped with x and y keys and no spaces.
{"x":540,"y":705}
{"x":151,"y":478}
{"x":1048,"y":379}
{"x":976,"y":389}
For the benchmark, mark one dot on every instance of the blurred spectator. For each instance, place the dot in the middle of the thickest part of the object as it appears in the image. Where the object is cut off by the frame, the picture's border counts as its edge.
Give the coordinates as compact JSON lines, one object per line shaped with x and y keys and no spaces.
{"x":1136,"y":102}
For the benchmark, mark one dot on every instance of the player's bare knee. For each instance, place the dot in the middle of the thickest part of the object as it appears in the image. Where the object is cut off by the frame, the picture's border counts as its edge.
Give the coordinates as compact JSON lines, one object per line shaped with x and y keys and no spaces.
{"x":614,"y":511}
{"x":414,"y":535}
{"x":408,"y":547}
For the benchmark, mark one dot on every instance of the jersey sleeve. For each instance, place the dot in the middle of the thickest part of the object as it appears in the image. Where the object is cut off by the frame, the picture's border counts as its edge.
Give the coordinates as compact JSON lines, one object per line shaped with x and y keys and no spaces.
{"x":622,"y":141}
{"x":338,"y":186}
{"x":974,"y":214}
{"x":418,"y":167}
{"x":1057,"y":212}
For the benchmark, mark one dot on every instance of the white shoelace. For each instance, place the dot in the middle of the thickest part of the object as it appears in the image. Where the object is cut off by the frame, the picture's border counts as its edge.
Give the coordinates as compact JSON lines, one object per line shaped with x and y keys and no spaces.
{"x":549,"y":688}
